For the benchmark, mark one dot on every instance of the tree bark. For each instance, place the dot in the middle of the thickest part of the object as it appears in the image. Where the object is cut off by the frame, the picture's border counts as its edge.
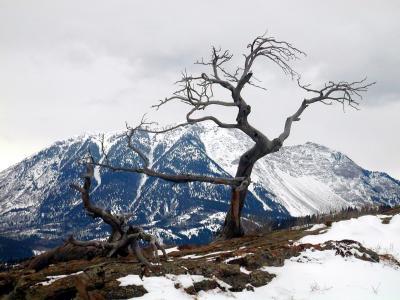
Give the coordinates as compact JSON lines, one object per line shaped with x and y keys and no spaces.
{"x":232,"y":226}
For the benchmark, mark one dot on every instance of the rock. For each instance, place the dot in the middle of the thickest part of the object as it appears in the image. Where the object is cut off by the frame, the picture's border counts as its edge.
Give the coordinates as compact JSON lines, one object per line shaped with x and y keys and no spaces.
{"x":347,"y":248}
{"x":249,"y":288}
{"x":258,"y":260}
{"x":177,"y":285}
{"x":259,"y":278}
{"x":125,"y":292}
{"x":203,"y":285}
{"x":225,"y":270}
{"x":231,"y":275}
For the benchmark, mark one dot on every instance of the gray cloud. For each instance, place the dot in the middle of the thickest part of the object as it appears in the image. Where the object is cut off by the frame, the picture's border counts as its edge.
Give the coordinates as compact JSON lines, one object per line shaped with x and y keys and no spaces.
{"x":76,"y":66}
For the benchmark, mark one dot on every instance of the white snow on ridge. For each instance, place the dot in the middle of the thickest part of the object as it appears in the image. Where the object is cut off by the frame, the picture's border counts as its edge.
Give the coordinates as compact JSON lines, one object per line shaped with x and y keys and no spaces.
{"x":97,"y":177}
{"x":324,"y":275}
{"x":190,"y":232}
{"x":299,"y":194}
{"x":168,"y":250}
{"x":368,"y":230}
{"x":219,"y":146}
{"x":51,"y":279}
{"x":104,"y":143}
{"x":306,"y":179}
{"x":38,"y":252}
{"x":297,"y":188}
{"x":313,"y":275}
{"x":316,"y":227}
{"x":316,"y":275}
{"x":194,"y":256}
{"x":163,"y":287}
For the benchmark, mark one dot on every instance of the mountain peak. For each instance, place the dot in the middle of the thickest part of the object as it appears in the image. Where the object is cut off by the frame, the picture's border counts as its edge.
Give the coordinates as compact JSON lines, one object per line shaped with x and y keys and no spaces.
{"x":35,"y":197}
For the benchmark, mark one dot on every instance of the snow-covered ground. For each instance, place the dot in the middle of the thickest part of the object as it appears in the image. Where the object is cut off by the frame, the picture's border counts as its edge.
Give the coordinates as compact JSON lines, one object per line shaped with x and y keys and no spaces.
{"x":368,"y":230}
{"x":324,"y":275}
{"x":163,"y":287}
{"x":51,"y":279}
{"x":169,"y":250}
{"x":312,"y":275}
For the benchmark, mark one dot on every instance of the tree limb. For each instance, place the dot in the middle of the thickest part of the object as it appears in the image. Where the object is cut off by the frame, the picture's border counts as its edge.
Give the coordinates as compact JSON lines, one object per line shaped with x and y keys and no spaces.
{"x":93,"y":210}
{"x":342,"y":92}
{"x":177,"y":178}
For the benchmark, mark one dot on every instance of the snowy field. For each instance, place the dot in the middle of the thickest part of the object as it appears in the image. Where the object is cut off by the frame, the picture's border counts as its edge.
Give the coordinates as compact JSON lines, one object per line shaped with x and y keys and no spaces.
{"x":312,"y":275}
{"x":368,"y":230}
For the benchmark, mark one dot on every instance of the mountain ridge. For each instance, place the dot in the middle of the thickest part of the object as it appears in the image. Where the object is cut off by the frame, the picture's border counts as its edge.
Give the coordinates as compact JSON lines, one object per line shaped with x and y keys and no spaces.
{"x":35,"y":198}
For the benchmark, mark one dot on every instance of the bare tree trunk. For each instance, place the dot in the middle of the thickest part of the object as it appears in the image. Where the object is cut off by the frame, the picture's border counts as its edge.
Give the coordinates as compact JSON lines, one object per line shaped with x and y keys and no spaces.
{"x":232,"y":226}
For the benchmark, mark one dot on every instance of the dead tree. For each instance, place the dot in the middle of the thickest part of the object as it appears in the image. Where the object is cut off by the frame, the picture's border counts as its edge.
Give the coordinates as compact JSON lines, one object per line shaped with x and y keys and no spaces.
{"x":198,"y":93}
{"x":123,"y":239}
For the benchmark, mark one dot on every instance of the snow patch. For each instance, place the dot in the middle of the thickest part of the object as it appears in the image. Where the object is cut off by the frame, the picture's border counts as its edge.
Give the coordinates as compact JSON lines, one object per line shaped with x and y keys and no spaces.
{"x":54,"y":278}
{"x":163,"y":287}
{"x":169,"y":250}
{"x":316,"y":227}
{"x":194,"y":256}
{"x":368,"y":230}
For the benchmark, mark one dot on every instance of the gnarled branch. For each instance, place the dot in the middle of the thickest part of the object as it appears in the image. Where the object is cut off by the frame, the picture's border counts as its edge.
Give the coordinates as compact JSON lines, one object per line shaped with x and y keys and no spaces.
{"x":176,"y":178}
{"x":341,"y":92}
{"x":121,"y":238}
{"x":95,"y":211}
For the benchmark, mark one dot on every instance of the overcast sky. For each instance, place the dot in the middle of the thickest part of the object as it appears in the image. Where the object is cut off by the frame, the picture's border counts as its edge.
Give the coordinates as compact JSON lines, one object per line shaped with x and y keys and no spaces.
{"x":69,"y":67}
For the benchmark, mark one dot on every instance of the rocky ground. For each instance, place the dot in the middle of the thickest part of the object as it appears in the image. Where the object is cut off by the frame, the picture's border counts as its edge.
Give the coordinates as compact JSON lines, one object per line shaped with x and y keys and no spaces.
{"x":232,"y":266}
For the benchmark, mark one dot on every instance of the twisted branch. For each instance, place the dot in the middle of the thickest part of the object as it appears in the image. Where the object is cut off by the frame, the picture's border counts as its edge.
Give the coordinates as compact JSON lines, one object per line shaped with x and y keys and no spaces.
{"x":120,"y":239}
{"x":341,"y":92}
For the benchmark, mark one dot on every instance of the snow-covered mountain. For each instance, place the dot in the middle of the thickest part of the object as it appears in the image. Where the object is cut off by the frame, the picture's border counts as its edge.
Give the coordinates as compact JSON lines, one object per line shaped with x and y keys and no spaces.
{"x":35,"y":197}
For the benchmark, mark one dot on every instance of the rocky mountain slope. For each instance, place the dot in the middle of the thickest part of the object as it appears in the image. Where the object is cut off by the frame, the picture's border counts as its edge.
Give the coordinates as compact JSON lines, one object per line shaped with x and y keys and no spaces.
{"x":35,"y":198}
